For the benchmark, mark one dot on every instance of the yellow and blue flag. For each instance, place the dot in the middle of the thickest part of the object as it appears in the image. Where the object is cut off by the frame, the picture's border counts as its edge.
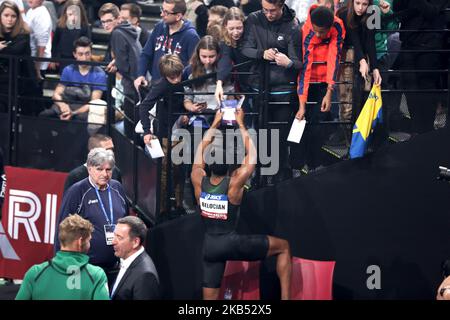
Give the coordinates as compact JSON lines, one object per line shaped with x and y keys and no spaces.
{"x":370,"y":115}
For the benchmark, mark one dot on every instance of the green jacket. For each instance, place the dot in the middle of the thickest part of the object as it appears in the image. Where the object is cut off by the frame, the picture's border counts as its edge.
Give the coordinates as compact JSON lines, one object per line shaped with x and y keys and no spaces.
{"x":387,"y":23}
{"x":68,"y":276}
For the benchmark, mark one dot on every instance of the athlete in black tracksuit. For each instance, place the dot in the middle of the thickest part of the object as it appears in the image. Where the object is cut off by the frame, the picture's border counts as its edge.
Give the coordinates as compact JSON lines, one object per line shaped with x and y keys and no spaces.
{"x":219,"y":197}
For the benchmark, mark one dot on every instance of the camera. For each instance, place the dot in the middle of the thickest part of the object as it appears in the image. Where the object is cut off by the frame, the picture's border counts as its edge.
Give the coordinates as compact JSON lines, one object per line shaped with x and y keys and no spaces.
{"x":444,"y":174}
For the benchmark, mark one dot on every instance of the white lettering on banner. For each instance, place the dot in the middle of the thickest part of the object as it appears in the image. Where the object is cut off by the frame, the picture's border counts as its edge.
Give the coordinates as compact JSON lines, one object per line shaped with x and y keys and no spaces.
{"x":214,"y":206}
{"x":17,"y":215}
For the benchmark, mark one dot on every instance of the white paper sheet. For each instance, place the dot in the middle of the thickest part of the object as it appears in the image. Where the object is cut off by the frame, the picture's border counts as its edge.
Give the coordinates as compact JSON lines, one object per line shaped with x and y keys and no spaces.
{"x":154,"y":148}
{"x":297,"y":128}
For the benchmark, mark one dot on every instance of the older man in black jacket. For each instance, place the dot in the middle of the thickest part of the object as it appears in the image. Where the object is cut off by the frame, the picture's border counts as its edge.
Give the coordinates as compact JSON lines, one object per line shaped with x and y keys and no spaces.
{"x":137,"y":278}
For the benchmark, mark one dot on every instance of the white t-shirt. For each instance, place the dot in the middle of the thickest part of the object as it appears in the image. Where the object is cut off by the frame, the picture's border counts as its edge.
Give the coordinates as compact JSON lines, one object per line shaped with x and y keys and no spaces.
{"x":40,"y":23}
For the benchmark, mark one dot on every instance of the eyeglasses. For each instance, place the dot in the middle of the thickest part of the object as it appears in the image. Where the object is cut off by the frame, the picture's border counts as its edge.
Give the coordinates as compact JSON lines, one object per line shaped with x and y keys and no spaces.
{"x":165,"y":12}
{"x":104,"y":22}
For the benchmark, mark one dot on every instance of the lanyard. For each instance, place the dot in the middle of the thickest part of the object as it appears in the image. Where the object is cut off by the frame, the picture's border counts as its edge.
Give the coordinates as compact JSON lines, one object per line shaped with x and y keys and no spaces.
{"x":103,"y":207}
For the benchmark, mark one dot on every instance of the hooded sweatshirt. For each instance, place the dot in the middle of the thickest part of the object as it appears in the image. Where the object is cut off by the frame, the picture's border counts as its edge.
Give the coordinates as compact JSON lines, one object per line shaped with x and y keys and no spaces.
{"x":68,"y":276}
{"x":182,"y":42}
{"x":421,"y":15}
{"x":282,"y":34}
{"x":126,"y":48}
{"x":316,"y":49}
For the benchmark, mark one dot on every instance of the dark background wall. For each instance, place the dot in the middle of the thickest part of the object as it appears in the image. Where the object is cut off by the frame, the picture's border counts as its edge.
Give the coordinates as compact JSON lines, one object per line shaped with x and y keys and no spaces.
{"x":387,"y":209}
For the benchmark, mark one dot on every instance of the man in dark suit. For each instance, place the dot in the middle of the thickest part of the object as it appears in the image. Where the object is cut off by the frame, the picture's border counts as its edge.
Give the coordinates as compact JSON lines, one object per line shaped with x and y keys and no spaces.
{"x":137,"y":278}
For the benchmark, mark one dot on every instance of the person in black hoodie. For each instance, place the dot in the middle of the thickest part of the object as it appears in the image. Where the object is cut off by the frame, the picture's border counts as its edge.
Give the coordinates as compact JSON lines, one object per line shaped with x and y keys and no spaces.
{"x":273,"y":35}
{"x":421,"y":15}
{"x":125,"y":50}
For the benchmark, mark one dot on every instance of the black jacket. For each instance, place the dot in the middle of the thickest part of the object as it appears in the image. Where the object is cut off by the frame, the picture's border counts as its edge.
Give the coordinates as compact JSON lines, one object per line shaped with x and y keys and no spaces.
{"x":140,"y":281}
{"x":284,"y":35}
{"x":421,"y":15}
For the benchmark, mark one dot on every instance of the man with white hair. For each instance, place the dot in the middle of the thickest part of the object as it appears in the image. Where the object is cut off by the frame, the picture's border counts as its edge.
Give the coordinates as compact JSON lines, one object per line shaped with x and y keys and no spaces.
{"x":101,"y":200}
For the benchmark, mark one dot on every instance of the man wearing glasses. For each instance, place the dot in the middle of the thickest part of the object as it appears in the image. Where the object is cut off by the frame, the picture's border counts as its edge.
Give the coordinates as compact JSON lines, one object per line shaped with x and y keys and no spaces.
{"x":172,"y":35}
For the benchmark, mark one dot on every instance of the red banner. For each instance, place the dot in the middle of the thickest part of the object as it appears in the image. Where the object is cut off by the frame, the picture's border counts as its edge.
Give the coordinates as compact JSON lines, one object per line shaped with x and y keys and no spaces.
{"x":29,"y":217}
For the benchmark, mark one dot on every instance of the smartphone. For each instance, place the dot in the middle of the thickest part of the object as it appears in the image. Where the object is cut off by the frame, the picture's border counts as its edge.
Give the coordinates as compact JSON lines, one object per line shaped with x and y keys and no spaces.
{"x":8,"y":43}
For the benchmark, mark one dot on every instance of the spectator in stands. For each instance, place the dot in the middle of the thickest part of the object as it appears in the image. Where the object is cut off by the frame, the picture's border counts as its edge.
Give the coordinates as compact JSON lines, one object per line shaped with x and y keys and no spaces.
{"x":79,"y":84}
{"x":322,"y":37}
{"x":171,"y":69}
{"x":221,"y":215}
{"x":216,"y":14}
{"x":232,"y":31}
{"x":421,"y":15}
{"x":204,"y":61}
{"x":224,"y":3}
{"x":2,"y":182}
{"x":361,"y":37}
{"x":443,"y":292}
{"x":272,"y":38}
{"x":249,"y":6}
{"x":72,"y":25}
{"x":19,"y":4}
{"x":40,"y":23}
{"x":172,"y":35}
{"x":100,"y":200}
{"x":14,"y":40}
{"x":125,"y":49}
{"x":197,"y":14}
{"x":132,"y":13}
{"x":215,"y":30}
{"x":68,"y":276}
{"x":98,"y":140}
{"x":137,"y":278}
